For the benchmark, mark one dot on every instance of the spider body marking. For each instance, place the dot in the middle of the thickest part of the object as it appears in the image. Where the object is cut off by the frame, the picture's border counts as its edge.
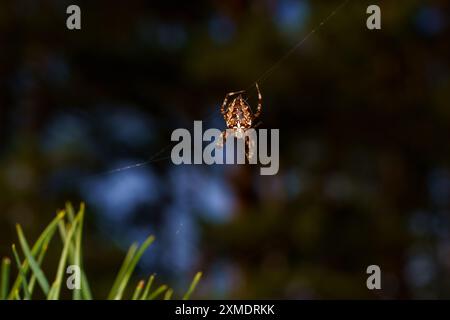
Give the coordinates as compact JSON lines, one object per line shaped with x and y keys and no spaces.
{"x":238,"y":115}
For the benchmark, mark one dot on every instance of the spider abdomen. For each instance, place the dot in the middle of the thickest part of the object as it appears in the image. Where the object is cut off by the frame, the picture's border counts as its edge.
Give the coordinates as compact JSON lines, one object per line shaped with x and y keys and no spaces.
{"x":238,"y":114}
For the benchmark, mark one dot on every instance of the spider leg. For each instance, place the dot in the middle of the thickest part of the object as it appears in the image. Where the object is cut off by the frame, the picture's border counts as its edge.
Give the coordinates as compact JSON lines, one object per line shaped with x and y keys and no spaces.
{"x":257,"y":125}
{"x":225,"y":101}
{"x":250,"y":149}
{"x":258,"y":108}
{"x":222,"y":139}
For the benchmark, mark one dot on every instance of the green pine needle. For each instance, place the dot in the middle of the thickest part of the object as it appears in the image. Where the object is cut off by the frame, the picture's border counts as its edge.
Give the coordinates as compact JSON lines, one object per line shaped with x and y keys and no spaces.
{"x":21,"y":273}
{"x":39,"y":261}
{"x":192,"y":286}
{"x":168,"y":294}
{"x":130,"y":254}
{"x":4,"y":278}
{"x":56,"y":288}
{"x":71,"y":231}
{"x":137,"y":292}
{"x":157,"y":292}
{"x":147,"y":287}
{"x":47,"y":233}
{"x":75,"y":251}
{"x":41,"y":279}
{"x":132,"y":265}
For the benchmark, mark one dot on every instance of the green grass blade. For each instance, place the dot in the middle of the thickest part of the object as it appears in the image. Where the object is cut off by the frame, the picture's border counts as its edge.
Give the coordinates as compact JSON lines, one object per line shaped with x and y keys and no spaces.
{"x":47,"y":233}
{"x":56,"y":287}
{"x":137,"y":292}
{"x":130,"y":254}
{"x":24,"y":278}
{"x":4,"y":278}
{"x":147,"y":287}
{"x":192,"y":286}
{"x":134,"y":261}
{"x":157,"y":292}
{"x":42,"y":280}
{"x":168,"y":294}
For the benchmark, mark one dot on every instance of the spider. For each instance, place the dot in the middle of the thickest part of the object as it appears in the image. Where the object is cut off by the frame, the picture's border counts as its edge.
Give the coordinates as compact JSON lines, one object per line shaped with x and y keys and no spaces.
{"x":239,"y":116}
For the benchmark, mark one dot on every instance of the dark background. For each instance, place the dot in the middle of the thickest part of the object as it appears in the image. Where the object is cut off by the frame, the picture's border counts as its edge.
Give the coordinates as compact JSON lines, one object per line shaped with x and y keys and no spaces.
{"x":364,"y":124}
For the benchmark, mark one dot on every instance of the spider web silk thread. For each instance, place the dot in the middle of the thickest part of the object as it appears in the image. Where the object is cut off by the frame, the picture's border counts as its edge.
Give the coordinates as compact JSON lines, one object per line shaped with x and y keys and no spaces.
{"x":274,"y":66}
{"x":260,"y":79}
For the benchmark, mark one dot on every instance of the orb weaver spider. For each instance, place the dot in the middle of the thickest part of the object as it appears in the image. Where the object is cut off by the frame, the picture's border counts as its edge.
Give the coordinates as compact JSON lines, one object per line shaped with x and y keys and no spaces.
{"x":239,"y":117}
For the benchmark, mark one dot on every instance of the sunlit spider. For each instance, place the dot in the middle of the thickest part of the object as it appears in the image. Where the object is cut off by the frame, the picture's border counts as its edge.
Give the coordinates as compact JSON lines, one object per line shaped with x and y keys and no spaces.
{"x":239,"y":116}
